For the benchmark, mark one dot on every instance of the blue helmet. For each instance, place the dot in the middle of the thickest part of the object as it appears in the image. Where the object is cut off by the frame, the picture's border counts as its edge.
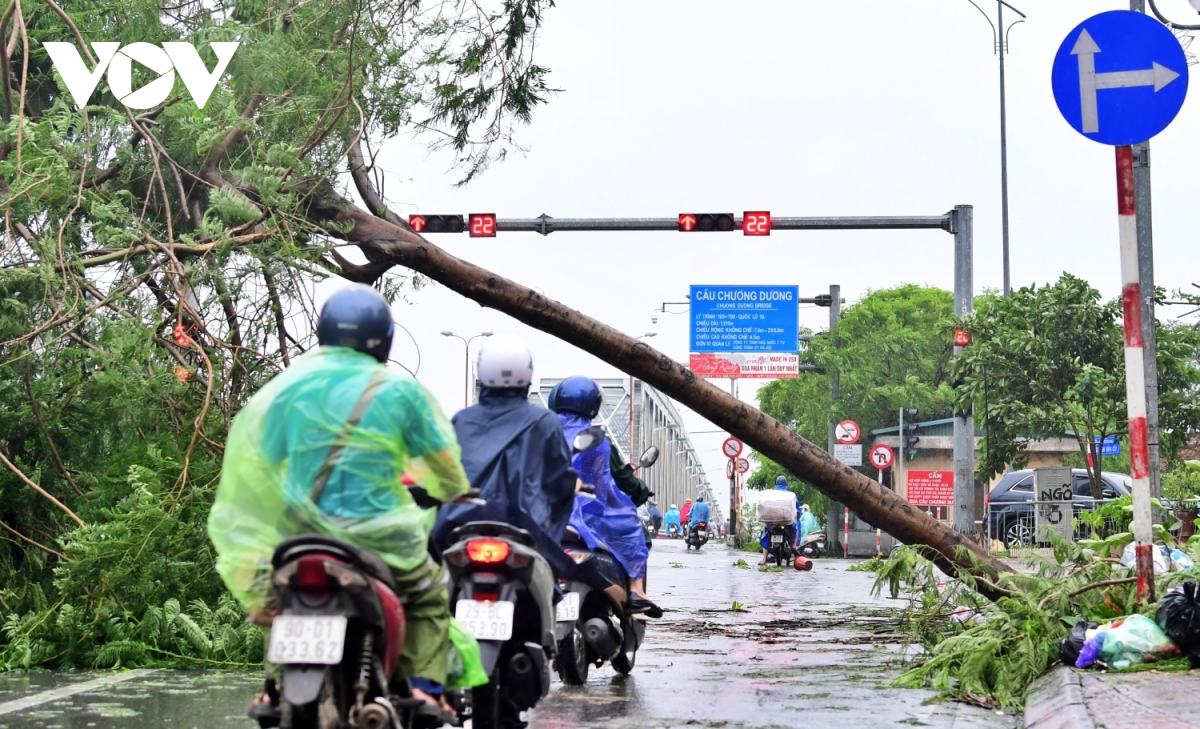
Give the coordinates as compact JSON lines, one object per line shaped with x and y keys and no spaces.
{"x":553,"y":397}
{"x":781,"y":483}
{"x":357,"y":317}
{"x":579,"y":395}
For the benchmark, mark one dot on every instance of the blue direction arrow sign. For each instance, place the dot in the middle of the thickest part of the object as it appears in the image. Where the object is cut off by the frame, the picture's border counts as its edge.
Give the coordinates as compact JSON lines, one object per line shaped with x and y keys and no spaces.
{"x":1120,"y":77}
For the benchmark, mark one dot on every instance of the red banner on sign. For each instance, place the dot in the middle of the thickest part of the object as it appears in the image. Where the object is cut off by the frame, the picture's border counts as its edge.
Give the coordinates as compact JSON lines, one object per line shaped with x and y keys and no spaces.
{"x":746,"y":366}
{"x":930,"y":488}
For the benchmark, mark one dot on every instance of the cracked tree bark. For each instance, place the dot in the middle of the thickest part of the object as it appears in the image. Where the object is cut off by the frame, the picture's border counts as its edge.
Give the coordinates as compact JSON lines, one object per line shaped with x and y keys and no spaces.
{"x":385,"y":243}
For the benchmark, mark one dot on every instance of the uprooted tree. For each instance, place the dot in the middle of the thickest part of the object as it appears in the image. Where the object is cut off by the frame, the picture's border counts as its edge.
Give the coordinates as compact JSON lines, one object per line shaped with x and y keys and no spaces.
{"x":157,"y":268}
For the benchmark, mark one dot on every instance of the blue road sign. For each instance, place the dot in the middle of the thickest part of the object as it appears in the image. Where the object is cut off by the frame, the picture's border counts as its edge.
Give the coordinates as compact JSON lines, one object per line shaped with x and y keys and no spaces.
{"x":1120,"y":77}
{"x":1110,"y":447}
{"x":733,"y":319}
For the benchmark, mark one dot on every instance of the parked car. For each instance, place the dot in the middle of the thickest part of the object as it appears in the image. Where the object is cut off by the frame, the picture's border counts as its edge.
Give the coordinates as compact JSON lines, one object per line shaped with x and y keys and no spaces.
{"x":1010,"y":514}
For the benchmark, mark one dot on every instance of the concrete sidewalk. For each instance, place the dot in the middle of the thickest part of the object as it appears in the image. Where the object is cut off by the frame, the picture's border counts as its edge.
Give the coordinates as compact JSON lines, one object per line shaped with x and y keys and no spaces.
{"x":1069,"y":699}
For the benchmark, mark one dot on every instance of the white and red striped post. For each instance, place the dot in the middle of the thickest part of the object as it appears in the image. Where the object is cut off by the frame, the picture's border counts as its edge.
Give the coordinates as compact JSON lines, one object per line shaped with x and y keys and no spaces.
{"x":1135,"y":375}
{"x":878,"y":531}
{"x":846,"y":540}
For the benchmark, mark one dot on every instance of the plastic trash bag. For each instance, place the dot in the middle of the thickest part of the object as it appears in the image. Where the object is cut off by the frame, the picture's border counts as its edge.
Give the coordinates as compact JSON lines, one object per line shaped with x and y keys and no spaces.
{"x":1162,"y":564}
{"x":464,"y":665}
{"x":1135,"y":639}
{"x":1091,"y":649}
{"x":1180,"y":560}
{"x":777,"y":507}
{"x":1069,"y":649}
{"x":1179,"y":617}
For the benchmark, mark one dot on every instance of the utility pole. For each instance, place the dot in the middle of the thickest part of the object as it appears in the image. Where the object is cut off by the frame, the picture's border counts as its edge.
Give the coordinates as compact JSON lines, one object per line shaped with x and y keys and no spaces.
{"x":835,"y":314}
{"x":964,"y":424}
{"x":1145,"y":251}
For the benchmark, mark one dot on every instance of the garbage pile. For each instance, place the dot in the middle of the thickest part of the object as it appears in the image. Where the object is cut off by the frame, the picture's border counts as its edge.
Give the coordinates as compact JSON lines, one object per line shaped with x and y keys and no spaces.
{"x":1166,"y":559}
{"x":1136,"y":639}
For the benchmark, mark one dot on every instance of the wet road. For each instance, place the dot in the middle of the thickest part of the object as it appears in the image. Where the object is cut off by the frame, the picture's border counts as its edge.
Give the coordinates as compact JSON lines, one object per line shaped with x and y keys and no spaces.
{"x":803,"y":652}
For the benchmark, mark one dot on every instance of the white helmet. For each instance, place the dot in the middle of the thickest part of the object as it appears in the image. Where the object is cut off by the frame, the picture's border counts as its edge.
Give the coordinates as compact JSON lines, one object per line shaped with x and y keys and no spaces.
{"x":504,"y":361}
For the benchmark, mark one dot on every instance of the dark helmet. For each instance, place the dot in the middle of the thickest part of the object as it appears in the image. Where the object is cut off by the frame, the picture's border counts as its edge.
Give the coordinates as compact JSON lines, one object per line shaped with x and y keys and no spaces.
{"x":357,"y":317}
{"x":553,"y":397}
{"x":579,"y":395}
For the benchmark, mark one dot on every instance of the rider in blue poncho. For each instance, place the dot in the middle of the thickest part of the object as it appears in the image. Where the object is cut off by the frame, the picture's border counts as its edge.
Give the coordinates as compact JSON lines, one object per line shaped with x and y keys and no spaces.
{"x":781,"y":484}
{"x":610,"y":518}
{"x":671,"y":518}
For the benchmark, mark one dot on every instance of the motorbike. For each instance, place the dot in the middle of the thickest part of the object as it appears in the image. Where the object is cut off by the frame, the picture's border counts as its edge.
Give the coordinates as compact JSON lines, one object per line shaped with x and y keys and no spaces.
{"x":593,"y":625}
{"x":648,"y":525}
{"x":502,"y":592}
{"x":698,"y":537}
{"x":337,"y":637}
{"x":674,"y":532}
{"x":781,"y":544}
{"x":813,"y":545}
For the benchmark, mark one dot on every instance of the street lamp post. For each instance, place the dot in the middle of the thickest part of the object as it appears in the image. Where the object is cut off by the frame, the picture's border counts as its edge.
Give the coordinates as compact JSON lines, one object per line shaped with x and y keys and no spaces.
{"x":1000,"y":43}
{"x":466,"y":362}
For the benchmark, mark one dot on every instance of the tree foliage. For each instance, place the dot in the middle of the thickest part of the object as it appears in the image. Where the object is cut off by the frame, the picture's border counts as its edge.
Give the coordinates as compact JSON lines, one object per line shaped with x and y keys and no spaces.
{"x":891,"y":349}
{"x":1048,"y":361}
{"x":157,"y":267}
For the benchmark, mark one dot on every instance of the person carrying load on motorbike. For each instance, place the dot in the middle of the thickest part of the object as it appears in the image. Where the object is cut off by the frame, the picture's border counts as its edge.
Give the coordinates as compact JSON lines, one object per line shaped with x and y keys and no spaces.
{"x":701,"y":513}
{"x":611,"y":515}
{"x":808,"y":522}
{"x":671,"y":519}
{"x":781,"y":484}
{"x":322,"y":448}
{"x":515,"y":453}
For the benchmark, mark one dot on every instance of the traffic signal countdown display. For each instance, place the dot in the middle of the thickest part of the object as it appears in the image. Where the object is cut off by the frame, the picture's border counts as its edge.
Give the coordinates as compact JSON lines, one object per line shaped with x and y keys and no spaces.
{"x":482,"y":225}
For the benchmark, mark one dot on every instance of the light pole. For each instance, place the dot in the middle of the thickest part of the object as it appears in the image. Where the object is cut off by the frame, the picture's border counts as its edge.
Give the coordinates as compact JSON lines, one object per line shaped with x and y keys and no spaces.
{"x":467,"y":362}
{"x":1000,"y":44}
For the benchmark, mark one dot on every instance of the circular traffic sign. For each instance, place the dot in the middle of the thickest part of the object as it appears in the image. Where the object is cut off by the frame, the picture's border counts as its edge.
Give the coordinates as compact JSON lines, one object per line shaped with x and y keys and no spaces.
{"x":847,"y":432}
{"x":732,"y":447}
{"x":1119,"y":77}
{"x":881,"y":457}
{"x":729,"y":468}
{"x":743,"y":465}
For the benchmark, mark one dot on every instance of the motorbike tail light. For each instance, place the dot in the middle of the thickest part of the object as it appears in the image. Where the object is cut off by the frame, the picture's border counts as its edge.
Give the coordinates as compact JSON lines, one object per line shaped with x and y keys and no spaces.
{"x":311,"y":575}
{"x":488,"y":551}
{"x":577,"y":556}
{"x":486,"y":596}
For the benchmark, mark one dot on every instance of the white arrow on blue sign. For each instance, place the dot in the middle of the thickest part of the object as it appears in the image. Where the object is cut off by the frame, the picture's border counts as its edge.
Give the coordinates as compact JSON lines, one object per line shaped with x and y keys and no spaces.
{"x":1120,"y":77}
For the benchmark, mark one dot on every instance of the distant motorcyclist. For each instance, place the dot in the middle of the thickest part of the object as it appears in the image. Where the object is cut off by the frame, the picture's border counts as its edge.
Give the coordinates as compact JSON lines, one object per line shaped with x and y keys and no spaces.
{"x":515,"y":453}
{"x":671,"y":519}
{"x":685,"y":513}
{"x":611,"y":515}
{"x":701,"y":514}
{"x":808,"y":523}
{"x":781,"y":484}
{"x":322,"y":448}
{"x":656,"y":517}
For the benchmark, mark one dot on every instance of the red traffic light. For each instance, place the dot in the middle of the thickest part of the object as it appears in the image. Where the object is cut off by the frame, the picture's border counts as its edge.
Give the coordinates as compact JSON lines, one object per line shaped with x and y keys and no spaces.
{"x":704,"y":222}
{"x":436,"y":223}
{"x":756,"y":223}
{"x":961,"y":338}
{"x":482,"y":225}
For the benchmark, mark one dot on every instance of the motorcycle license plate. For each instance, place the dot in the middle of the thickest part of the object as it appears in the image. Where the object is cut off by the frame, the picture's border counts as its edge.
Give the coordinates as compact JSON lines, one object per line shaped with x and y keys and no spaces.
{"x":486,"y":620}
{"x":776,"y":539}
{"x":307,"y":639}
{"x":568,"y":609}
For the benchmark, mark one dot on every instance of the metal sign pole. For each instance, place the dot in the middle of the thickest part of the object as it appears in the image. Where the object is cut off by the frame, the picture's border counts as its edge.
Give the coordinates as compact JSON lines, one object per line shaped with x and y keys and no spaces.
{"x":964,"y":424}
{"x":1135,"y":383}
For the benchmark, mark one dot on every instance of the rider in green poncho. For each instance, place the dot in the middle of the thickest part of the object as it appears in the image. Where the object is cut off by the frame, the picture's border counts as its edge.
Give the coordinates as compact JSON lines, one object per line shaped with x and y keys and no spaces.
{"x":282,"y":477}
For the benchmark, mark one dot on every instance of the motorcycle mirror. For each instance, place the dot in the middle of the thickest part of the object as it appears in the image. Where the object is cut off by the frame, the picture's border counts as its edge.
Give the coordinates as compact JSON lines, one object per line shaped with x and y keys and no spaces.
{"x":649,"y":456}
{"x":587,"y":439}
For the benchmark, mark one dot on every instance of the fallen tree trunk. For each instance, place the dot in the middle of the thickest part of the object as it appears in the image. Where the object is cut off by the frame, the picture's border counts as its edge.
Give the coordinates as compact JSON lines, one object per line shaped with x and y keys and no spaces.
{"x":386,"y":243}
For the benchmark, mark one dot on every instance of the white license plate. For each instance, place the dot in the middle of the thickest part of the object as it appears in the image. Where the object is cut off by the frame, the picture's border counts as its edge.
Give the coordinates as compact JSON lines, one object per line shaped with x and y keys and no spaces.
{"x":568,"y":609}
{"x":486,"y":620}
{"x":776,"y":539}
{"x":307,"y":639}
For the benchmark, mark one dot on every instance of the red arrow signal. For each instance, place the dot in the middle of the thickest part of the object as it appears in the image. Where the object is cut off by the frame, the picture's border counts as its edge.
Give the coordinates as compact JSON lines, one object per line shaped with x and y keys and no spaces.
{"x":687,"y":222}
{"x":416,"y":222}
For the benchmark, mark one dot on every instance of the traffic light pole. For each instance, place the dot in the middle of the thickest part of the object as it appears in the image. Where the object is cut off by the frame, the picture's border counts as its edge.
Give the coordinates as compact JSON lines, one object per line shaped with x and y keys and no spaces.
{"x":836,"y":510}
{"x":546,"y":225}
{"x":964,"y":424}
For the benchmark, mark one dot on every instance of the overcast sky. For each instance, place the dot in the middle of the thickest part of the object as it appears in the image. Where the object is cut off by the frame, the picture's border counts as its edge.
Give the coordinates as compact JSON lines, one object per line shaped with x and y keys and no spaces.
{"x":853,"y":107}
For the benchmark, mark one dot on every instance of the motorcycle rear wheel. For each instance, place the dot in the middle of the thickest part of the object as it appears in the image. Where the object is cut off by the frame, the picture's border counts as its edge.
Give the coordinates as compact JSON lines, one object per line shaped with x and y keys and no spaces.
{"x":572,"y":660}
{"x":623,"y":661}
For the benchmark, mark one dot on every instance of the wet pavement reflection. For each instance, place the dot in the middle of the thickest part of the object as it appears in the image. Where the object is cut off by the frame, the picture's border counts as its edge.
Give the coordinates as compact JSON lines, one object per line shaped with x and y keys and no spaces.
{"x":806,"y":648}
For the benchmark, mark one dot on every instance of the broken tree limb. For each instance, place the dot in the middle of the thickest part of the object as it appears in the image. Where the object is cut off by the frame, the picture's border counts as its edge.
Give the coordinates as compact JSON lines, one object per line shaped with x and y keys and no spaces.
{"x":382,"y":241}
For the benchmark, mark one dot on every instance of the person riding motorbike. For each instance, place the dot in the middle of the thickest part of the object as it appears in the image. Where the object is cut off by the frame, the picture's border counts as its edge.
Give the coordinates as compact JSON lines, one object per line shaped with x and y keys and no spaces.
{"x":671,"y":518}
{"x":685,"y":513}
{"x":781,"y":484}
{"x":656,"y":517}
{"x":322,"y":448}
{"x":808,"y":522}
{"x":701,"y":514}
{"x":515,"y":453}
{"x":611,"y":516}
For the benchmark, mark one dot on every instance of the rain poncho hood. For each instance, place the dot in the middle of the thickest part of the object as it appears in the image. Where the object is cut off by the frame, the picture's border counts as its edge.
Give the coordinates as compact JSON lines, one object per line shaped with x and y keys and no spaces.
{"x":808,"y":524}
{"x":701,"y":512}
{"x":514,"y":452}
{"x":610,"y":518}
{"x":279,"y":442}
